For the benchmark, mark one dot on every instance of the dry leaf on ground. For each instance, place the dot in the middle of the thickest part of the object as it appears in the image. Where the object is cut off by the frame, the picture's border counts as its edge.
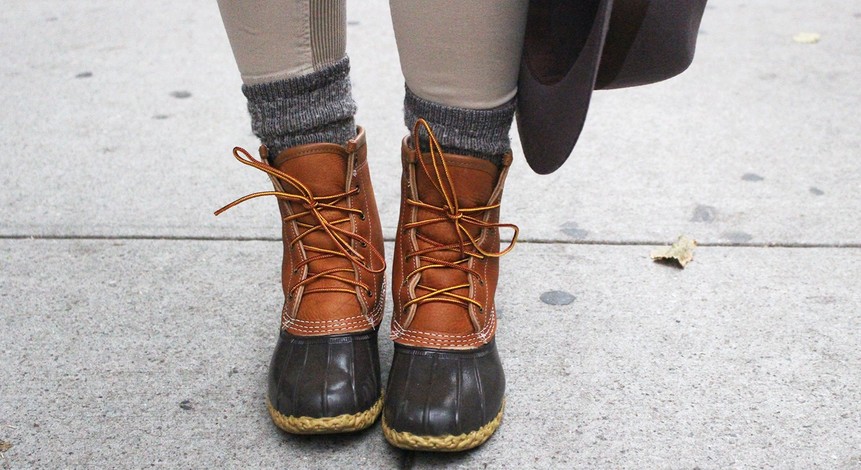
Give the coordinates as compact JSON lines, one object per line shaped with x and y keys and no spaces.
{"x":681,"y":252}
{"x":806,"y":38}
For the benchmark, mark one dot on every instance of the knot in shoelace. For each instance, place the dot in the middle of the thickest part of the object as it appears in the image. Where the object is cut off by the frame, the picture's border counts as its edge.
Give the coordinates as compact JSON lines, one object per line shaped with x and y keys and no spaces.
{"x":314,"y":205}
{"x":451,"y":213}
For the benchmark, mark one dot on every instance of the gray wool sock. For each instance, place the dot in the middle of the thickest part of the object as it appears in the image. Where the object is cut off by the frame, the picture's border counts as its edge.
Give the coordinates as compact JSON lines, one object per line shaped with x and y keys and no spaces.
{"x":481,"y":133}
{"x":308,"y":109}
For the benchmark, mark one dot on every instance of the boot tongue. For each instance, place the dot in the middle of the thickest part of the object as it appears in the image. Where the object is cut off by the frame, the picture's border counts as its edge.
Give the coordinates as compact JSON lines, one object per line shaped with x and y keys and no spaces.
{"x":473,"y":180}
{"x":323,"y":173}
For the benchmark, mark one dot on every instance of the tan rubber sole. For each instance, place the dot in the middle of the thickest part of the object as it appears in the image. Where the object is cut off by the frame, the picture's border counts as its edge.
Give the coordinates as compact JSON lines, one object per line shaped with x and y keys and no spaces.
{"x":446,"y":443}
{"x":327,"y":425}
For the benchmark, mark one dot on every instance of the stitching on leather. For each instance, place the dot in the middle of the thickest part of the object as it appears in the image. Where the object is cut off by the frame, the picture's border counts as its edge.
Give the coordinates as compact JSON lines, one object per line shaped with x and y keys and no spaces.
{"x":408,"y":244}
{"x":324,"y":330}
{"x":443,"y":339}
{"x":441,"y":342}
{"x":372,"y":316}
{"x":438,"y":342}
{"x":486,"y":334}
{"x":397,"y":290}
{"x":326,"y":327}
{"x":340,"y":320}
{"x":351,"y":326}
{"x":327,"y":323}
{"x":445,"y":335}
{"x":486,"y":287}
{"x":379,"y":311}
{"x":293,"y":232}
{"x":335,"y":326}
{"x":354,"y":226}
{"x":412,"y":237}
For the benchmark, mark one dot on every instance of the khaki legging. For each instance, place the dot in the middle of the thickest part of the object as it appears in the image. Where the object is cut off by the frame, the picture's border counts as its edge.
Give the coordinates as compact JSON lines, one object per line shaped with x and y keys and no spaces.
{"x":453,"y":52}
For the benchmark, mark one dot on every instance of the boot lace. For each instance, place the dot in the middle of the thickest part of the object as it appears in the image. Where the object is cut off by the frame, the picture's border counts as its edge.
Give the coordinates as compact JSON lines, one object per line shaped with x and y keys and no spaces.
{"x":314,"y":205}
{"x":450,"y":213}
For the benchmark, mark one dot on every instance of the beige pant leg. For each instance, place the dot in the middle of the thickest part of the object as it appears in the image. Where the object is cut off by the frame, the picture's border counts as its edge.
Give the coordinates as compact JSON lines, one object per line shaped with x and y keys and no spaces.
{"x":277,"y":39}
{"x":460,"y":53}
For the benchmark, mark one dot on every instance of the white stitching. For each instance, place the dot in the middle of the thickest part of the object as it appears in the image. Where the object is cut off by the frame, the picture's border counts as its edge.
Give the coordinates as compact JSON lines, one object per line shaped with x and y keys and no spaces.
{"x":341,"y":320}
{"x":419,"y":340}
{"x":370,"y":316}
{"x":293,"y":322}
{"x":484,"y":329}
{"x":324,"y":330}
{"x":416,"y":336}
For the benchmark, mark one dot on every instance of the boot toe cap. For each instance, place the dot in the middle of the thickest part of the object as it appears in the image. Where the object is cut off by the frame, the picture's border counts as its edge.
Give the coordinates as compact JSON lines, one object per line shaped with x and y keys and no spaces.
{"x":324,"y":376}
{"x":442,"y":392}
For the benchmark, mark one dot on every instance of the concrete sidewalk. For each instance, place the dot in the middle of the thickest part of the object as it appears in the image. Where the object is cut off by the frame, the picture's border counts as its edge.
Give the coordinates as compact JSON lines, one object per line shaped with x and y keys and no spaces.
{"x":136,"y":328}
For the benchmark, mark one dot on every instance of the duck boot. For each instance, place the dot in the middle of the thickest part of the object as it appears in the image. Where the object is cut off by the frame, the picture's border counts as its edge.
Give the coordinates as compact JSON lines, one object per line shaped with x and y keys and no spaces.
{"x":446,"y":386}
{"x":324,"y":376}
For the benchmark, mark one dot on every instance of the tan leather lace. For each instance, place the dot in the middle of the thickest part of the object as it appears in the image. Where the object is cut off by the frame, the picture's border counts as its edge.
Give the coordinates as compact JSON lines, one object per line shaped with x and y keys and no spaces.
{"x":314,"y":205}
{"x":459,"y":217}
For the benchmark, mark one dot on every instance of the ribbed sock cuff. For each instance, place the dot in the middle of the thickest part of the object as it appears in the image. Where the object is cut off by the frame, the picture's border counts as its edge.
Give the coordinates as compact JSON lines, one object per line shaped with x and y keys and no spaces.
{"x":478,"y":132}
{"x":313,"y":108}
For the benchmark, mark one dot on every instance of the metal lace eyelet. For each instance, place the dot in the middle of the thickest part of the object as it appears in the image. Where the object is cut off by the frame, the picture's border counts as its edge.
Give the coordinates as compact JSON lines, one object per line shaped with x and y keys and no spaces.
{"x":364,"y":245}
{"x":362,"y":215}
{"x":369,"y":293}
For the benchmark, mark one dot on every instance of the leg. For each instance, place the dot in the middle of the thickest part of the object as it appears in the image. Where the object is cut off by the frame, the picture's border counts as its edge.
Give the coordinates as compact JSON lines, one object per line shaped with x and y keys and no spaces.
{"x":324,"y":376}
{"x":295,"y":73}
{"x":460,"y":61}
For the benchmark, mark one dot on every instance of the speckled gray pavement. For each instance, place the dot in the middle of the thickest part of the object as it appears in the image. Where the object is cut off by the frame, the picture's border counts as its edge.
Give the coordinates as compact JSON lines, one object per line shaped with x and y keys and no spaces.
{"x":135,"y":327}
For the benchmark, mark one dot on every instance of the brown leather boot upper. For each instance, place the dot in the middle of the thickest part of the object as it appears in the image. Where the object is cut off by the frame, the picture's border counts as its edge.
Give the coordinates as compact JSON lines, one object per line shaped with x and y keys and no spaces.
{"x":446,"y":252}
{"x":333,"y":267}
